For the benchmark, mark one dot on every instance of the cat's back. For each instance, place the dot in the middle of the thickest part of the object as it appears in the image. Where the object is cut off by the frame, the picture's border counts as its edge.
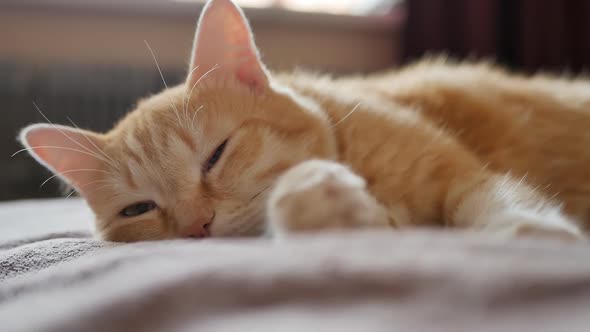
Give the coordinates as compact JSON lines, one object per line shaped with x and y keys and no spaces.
{"x":480,"y":80}
{"x":534,"y":126}
{"x":494,"y":112}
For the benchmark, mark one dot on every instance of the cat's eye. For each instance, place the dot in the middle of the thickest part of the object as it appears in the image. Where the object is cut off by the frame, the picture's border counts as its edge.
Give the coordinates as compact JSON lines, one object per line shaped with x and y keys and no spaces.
{"x":137,"y":209}
{"x":215,"y":156}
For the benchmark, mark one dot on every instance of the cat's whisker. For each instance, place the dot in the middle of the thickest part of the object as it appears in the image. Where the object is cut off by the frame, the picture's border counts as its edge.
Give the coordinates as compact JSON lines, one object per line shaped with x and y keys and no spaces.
{"x":184,"y":96}
{"x":95,"y":190}
{"x":185,"y":114}
{"x":71,"y":171}
{"x":194,"y":116}
{"x":347,"y":115}
{"x":85,"y":185}
{"x":217,"y":66}
{"x":163,"y":80}
{"x":71,"y":193}
{"x":69,"y":137}
{"x":91,"y":142}
{"x":260,"y":192}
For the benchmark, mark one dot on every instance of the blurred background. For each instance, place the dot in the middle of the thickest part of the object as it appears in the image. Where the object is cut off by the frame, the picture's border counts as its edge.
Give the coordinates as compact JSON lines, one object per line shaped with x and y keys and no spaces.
{"x":86,"y":59}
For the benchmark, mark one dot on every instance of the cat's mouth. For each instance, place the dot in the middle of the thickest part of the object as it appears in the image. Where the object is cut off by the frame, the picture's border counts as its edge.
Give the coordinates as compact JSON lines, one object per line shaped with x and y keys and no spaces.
{"x":251,"y":223}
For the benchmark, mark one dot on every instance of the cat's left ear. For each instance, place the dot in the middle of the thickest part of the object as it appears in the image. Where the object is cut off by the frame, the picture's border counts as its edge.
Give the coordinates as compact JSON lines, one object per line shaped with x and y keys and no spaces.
{"x":72,"y":154}
{"x":224,"y":47}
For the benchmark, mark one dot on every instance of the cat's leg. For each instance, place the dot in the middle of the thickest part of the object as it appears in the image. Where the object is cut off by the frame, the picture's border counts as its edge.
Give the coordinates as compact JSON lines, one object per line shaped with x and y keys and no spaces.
{"x":318,"y":195}
{"x":322,"y":195}
{"x":501,"y":205}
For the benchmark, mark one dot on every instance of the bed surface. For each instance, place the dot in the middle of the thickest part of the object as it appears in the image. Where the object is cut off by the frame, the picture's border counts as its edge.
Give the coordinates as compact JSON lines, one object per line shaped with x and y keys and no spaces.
{"x":28,"y":219}
{"x":55,"y":278}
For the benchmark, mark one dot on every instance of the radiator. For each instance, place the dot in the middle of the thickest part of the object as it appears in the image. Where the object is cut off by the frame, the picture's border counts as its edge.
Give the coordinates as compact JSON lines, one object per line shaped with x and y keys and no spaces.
{"x":94,"y":97}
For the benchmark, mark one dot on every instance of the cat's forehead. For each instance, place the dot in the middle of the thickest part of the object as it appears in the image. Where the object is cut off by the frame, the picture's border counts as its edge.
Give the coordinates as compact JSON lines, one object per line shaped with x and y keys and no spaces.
{"x":164,"y":100}
{"x":158,"y":154}
{"x":192,"y":117}
{"x":221,"y":97}
{"x":172,"y":125}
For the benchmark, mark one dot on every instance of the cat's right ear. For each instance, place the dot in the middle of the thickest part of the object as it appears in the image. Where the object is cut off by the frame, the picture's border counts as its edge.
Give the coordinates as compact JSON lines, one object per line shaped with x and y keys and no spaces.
{"x":72,"y":154}
{"x":224,"y":47}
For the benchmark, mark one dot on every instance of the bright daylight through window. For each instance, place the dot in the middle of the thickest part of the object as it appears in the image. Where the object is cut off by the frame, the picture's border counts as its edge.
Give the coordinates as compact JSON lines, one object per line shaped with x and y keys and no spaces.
{"x":341,"y":7}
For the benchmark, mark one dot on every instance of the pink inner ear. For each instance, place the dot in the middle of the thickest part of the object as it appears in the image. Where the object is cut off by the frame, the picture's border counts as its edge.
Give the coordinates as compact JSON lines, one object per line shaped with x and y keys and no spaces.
{"x":68,"y":151}
{"x":224,"y":39}
{"x":251,"y":74}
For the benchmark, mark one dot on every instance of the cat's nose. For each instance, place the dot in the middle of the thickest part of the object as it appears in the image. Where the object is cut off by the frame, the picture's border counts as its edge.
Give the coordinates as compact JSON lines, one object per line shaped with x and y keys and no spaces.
{"x":199,"y":228}
{"x":197,"y":231}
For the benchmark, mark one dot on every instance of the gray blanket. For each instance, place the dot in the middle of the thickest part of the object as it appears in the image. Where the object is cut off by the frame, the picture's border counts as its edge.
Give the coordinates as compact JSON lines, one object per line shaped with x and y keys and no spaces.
{"x":410,"y":281}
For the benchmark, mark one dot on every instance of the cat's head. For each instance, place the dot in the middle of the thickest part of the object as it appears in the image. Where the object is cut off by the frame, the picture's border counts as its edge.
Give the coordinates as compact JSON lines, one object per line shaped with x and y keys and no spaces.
{"x":197,"y":159}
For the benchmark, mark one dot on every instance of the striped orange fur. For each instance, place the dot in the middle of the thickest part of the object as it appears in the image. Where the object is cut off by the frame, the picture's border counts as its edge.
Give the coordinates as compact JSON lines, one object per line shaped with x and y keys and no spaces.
{"x":437,"y":144}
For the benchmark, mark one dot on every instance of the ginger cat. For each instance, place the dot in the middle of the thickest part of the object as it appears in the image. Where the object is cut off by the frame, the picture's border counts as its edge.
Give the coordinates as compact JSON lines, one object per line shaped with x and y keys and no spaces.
{"x":237,"y":150}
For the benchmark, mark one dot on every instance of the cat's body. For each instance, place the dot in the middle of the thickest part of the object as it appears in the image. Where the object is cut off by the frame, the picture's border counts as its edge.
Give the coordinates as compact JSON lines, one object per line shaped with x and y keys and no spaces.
{"x":235,"y":147}
{"x":535,"y":128}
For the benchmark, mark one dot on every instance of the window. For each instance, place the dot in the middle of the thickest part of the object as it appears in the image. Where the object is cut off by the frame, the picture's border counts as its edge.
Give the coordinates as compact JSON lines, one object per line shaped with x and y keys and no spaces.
{"x":341,"y":7}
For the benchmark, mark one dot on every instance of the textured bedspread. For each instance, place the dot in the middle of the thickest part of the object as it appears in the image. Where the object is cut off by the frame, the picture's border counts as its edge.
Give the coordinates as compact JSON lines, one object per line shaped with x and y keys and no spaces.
{"x":410,"y":281}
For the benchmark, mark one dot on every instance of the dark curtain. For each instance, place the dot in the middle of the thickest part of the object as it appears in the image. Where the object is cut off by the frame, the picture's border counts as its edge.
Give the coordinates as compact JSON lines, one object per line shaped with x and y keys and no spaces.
{"x":528,"y":35}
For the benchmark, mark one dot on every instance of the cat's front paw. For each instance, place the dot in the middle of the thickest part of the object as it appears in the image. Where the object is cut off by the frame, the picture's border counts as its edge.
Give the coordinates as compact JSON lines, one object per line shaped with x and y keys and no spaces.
{"x":554,"y":227}
{"x":318,"y":195}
